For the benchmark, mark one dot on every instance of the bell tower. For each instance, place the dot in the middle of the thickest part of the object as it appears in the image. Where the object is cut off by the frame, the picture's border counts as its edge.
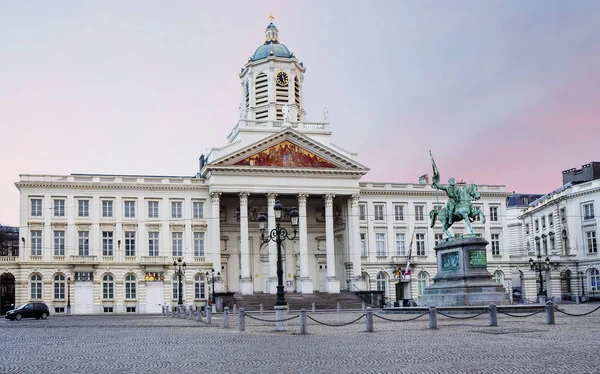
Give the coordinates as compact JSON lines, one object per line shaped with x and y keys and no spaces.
{"x":271,"y":80}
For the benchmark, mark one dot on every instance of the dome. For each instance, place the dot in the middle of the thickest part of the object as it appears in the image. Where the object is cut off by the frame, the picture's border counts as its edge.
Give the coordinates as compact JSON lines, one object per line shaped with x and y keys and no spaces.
{"x":264,"y":51}
{"x":272,"y":47}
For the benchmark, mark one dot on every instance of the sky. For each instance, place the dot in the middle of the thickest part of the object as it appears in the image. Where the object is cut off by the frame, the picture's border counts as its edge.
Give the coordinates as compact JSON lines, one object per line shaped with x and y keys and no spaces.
{"x":502,"y":92}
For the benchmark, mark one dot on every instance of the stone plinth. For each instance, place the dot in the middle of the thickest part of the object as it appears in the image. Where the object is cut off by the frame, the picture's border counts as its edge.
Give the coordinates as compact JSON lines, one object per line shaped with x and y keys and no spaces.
{"x":462,"y":277}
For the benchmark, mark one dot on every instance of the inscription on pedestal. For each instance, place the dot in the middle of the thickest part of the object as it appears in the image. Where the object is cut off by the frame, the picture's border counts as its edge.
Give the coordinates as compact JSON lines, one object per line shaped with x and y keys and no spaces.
{"x":477,"y":258}
{"x":450,"y":261}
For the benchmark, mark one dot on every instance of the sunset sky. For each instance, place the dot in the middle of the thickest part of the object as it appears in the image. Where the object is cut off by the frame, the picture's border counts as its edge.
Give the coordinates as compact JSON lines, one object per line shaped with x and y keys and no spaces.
{"x":503,"y":92}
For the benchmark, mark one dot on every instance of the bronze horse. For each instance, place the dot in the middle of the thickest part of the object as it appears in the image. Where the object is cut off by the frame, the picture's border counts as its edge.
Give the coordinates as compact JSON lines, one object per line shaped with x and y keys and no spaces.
{"x":463,"y":210}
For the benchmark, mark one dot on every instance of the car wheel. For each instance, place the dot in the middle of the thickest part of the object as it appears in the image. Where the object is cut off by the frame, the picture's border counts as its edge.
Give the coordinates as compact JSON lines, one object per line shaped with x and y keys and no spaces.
{"x":18,"y":317}
{"x":44,"y":315}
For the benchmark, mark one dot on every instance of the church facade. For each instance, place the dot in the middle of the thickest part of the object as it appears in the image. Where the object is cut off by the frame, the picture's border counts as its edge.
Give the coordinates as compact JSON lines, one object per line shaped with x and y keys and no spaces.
{"x":108,"y":243}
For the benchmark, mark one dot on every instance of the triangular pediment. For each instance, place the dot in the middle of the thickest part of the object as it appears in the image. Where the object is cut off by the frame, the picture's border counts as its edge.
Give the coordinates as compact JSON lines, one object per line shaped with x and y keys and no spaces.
{"x":286,"y":154}
{"x":289,"y":149}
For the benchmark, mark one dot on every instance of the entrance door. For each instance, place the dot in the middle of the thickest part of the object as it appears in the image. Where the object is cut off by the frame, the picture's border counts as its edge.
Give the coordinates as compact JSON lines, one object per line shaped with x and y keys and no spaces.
{"x":7,"y":292}
{"x":83,"y":302}
{"x":155,"y":297}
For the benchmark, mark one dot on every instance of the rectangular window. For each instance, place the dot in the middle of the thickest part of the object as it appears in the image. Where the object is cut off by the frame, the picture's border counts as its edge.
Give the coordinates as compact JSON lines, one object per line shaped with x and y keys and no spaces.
{"x":419,"y":213}
{"x":494,"y":213}
{"x":477,"y":217}
{"x":36,"y":242}
{"x":129,"y":209}
{"x":153,"y":244}
{"x":130,"y":309}
{"x":537,"y":225}
{"x":399,"y":212}
{"x":400,"y":245}
{"x":177,"y":243}
{"x":59,"y":243}
{"x":552,"y":244}
{"x":59,"y":290}
{"x":84,"y":243}
{"x":545,"y":246}
{"x":363,"y":244}
{"x":198,"y":209}
{"x":379,"y":212}
{"x":420,"y":239}
{"x":108,"y":309}
{"x":130,"y":243}
{"x":83,"y":208}
{"x":107,"y":243}
{"x":550,"y":220}
{"x":588,"y":211}
{"x":543,"y":223}
{"x":527,"y":228}
{"x":380,"y":244}
{"x":362,"y":212}
{"x":591,"y":242}
{"x":176,"y":209}
{"x":199,"y":244}
{"x":59,"y":309}
{"x":537,"y":247}
{"x":107,"y":208}
{"x":59,"y":208}
{"x":84,"y":276}
{"x":438,"y":238}
{"x":152,"y":209}
{"x":36,"y":289}
{"x":496,"y":244}
{"x":36,"y":207}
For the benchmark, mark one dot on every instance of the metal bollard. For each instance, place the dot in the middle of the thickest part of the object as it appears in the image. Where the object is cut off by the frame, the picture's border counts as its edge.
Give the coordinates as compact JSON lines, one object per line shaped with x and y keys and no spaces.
{"x":234,"y":308}
{"x":550,"y":313}
{"x":338,"y":306}
{"x":432,"y":318}
{"x":208,"y":315}
{"x":174,"y":312}
{"x":199,"y":314}
{"x":362,"y":308}
{"x":226,"y":317}
{"x":163,"y":310}
{"x":242,"y":320}
{"x":369,"y":320}
{"x":261,"y":308}
{"x":493,"y":315}
{"x":191,"y":312}
{"x":182,"y":311}
{"x":303,"y":324}
{"x":313,"y":307}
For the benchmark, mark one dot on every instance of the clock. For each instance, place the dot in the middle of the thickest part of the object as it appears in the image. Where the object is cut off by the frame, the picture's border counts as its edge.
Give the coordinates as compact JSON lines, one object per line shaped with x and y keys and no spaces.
{"x":282,"y":79}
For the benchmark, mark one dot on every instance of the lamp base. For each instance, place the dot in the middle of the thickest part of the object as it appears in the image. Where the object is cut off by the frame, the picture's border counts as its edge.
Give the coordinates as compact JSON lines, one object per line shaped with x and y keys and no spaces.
{"x":281,"y":312}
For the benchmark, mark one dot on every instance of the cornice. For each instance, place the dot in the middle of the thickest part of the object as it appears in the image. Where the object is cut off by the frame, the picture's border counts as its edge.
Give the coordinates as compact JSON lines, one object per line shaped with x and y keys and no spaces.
{"x":423,"y":193}
{"x":237,"y":169}
{"x":110,"y":186}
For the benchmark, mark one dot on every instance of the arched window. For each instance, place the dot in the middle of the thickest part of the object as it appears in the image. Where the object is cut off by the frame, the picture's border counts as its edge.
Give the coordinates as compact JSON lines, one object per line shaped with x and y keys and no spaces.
{"x":498,"y":277}
{"x":422,"y":282}
{"x":381,"y":281}
{"x":199,"y":287}
{"x":594,"y":279}
{"x":36,"y":287}
{"x":130,"y":286}
{"x":59,"y":287}
{"x":108,"y":287}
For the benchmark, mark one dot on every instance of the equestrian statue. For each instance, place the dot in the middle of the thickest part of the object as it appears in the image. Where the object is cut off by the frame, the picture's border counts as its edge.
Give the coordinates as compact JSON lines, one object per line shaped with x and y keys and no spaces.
{"x":459,"y":206}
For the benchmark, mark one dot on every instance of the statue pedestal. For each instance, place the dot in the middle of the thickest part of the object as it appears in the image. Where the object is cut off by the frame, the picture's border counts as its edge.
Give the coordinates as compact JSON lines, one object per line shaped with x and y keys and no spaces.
{"x":462,"y":278}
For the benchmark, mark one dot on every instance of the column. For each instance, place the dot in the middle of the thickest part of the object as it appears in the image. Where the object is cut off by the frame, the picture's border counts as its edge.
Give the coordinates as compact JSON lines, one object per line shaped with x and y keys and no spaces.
{"x":245,"y":285}
{"x":272,"y":281}
{"x":332,"y":285}
{"x":215,"y":234}
{"x":357,"y":279}
{"x":306,"y":285}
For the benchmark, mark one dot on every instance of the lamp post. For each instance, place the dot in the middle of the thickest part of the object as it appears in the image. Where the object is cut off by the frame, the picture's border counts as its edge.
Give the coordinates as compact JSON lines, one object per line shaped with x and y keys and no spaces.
{"x":180,"y":271}
{"x":541,"y":266}
{"x":278,"y":235}
{"x":211,"y":299}
{"x":68,"y":295}
{"x":582,"y":275}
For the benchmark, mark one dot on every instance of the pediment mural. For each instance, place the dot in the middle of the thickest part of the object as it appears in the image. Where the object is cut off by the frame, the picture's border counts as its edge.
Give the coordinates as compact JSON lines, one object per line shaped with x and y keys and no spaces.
{"x":286,"y":154}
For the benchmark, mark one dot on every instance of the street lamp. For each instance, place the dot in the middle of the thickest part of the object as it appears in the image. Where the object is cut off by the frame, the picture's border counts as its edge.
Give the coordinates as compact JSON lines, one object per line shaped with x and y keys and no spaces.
{"x":278,"y":235}
{"x":582,"y":275}
{"x":212,"y":278}
{"x":180,"y":271}
{"x":68,"y":295}
{"x":541,"y":266}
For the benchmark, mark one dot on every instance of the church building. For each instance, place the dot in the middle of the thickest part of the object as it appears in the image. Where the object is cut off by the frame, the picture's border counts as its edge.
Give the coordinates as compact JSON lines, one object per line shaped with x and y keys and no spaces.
{"x":108,"y":243}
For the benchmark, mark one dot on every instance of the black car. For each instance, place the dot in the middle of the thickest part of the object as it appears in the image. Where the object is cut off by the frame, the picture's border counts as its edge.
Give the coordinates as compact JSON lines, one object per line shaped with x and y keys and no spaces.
{"x":29,"y":310}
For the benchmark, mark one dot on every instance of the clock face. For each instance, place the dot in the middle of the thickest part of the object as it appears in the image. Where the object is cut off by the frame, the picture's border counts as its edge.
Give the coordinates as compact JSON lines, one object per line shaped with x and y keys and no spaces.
{"x":282,"y":78}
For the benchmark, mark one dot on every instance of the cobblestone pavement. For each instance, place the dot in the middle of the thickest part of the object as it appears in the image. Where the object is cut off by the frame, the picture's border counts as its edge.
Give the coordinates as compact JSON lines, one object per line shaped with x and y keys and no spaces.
{"x":157,"y":344}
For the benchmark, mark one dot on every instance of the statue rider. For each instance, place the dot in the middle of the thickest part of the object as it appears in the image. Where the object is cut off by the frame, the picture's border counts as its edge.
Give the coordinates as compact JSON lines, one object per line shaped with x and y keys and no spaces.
{"x":453,"y":193}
